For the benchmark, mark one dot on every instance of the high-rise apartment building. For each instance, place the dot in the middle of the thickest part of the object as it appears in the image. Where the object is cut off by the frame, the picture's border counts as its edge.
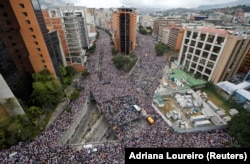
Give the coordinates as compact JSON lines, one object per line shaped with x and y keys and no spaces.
{"x":20,"y":84}
{"x":70,"y":21}
{"x":56,"y":42}
{"x":167,"y":21}
{"x":25,"y":36}
{"x":175,"y":38}
{"x":245,"y":66}
{"x":103,"y":18}
{"x":213,"y":54}
{"x":124,"y":30}
{"x":25,"y":45}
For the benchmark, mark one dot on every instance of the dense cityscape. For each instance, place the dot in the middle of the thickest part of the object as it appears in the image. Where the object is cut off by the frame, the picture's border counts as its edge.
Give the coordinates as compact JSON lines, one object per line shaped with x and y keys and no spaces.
{"x":79,"y":84}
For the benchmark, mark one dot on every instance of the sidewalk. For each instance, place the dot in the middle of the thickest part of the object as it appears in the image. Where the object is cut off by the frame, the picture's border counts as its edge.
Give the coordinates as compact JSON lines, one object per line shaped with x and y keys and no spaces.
{"x":62,"y":105}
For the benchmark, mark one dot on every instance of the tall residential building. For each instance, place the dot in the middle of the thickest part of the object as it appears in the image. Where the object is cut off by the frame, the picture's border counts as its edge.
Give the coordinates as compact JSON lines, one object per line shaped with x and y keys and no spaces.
{"x":23,"y":31}
{"x":213,"y":54}
{"x":20,"y":84}
{"x":167,"y":21}
{"x":70,"y":21}
{"x":90,"y":21}
{"x":146,"y":21}
{"x":26,"y":46}
{"x":160,"y":32}
{"x":245,"y":66}
{"x":175,"y":38}
{"x":103,"y":18}
{"x":57,"y":46}
{"x":124,"y":30}
{"x":53,"y":22}
{"x":165,"y":35}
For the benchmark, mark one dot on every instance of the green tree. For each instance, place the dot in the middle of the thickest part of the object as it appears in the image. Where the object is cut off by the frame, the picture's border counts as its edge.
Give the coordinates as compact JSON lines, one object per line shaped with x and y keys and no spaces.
{"x":10,"y":103}
{"x":74,"y":95}
{"x":43,"y":76}
{"x":140,"y":27}
{"x":85,"y":73}
{"x":120,"y":61}
{"x":47,"y":90}
{"x":33,"y":112}
{"x":71,"y":71}
{"x":92,"y":48}
{"x":239,"y":128}
{"x":114,"y":52}
{"x":124,"y":62}
{"x":160,"y":49}
{"x":17,"y":128}
{"x":143,"y":31}
{"x":67,"y":73}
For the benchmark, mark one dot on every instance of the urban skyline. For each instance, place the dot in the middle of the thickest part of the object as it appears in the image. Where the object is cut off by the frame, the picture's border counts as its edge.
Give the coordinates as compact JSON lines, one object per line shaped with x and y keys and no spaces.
{"x":141,"y":4}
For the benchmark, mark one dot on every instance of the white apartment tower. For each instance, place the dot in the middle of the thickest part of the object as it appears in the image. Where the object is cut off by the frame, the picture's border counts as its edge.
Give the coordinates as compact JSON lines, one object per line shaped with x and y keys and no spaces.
{"x":73,"y":23}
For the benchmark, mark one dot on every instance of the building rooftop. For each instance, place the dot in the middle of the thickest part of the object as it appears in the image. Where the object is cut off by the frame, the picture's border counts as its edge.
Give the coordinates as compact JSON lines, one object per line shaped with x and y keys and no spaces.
{"x":213,"y":30}
{"x":179,"y":74}
{"x":230,"y":88}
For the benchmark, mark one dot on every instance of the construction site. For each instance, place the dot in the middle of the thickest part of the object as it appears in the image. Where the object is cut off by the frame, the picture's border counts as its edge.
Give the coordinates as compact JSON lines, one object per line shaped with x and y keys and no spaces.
{"x":185,"y":109}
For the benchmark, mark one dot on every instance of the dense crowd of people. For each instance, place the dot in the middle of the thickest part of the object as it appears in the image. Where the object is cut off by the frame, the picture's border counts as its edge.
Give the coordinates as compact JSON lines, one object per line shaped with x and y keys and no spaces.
{"x":115,"y":91}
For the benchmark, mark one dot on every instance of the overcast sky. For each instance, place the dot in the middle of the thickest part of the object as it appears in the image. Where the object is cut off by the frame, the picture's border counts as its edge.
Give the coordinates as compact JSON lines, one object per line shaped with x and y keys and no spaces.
{"x":145,"y":3}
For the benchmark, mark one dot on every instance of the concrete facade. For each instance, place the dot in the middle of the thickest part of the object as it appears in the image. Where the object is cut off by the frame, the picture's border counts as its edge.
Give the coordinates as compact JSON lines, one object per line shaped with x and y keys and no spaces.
{"x":70,"y":21}
{"x":13,"y":107}
{"x":175,"y":38}
{"x":23,"y":34}
{"x":213,"y":54}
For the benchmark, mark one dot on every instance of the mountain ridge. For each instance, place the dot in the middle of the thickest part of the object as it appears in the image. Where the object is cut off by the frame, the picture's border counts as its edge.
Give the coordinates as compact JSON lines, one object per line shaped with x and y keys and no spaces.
{"x":223,"y":5}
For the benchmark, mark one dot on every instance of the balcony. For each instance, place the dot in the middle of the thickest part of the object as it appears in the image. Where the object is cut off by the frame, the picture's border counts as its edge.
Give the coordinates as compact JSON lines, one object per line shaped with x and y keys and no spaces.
{"x":74,"y":49}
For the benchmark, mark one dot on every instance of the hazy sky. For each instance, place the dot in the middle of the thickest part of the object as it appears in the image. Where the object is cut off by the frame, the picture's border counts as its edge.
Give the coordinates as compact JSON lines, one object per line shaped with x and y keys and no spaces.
{"x":145,"y":3}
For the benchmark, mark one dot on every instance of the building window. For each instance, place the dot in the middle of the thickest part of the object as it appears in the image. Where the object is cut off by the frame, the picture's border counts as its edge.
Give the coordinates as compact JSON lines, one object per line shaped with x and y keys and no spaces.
{"x":5,"y":15}
{"x":31,"y":29}
{"x":27,"y":21}
{"x":8,"y":22}
{"x":25,"y":14}
{"x":19,"y":56}
{"x":13,"y":44}
{"x":43,"y":61}
{"x":10,"y":37}
{"x":38,"y":49}
{"x":17,"y":50}
{"x":21,"y":5}
{"x":1,"y":6}
{"x":41,"y":55}
{"x":44,"y":66}
{"x":34,"y":36}
{"x":36,"y":43}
